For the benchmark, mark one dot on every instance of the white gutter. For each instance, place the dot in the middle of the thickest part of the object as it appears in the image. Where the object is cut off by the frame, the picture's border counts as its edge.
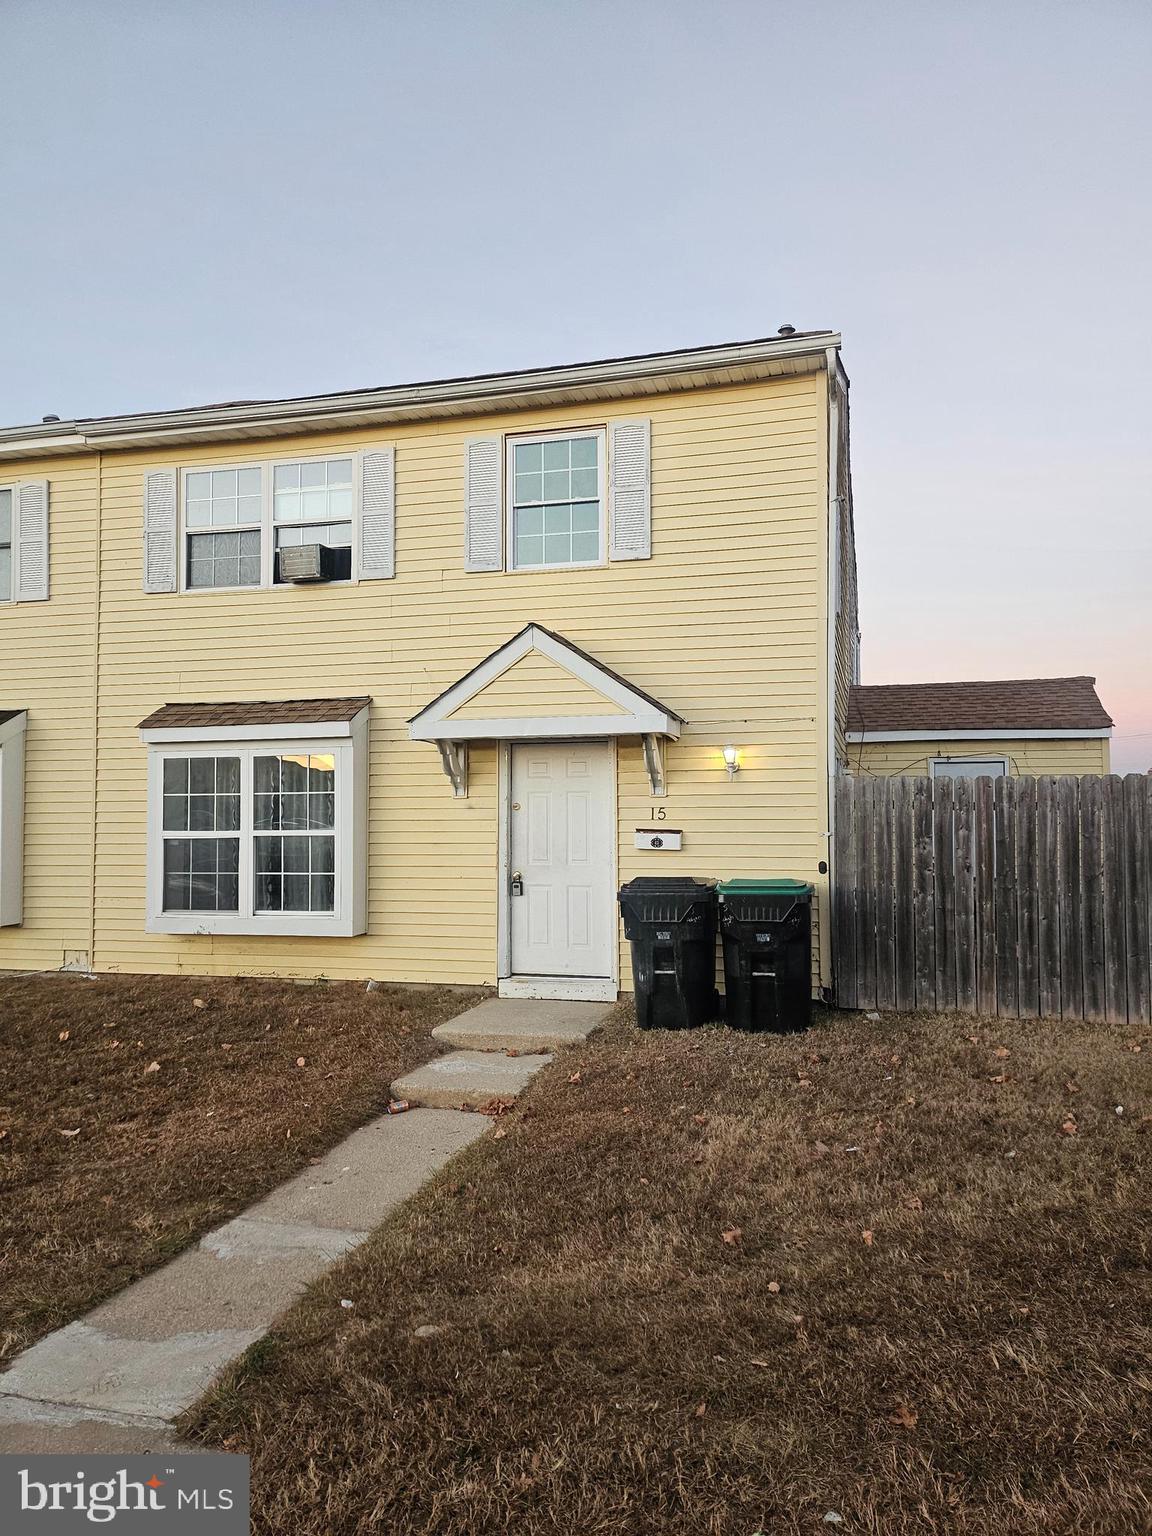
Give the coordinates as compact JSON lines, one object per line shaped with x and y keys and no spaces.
{"x":1006,"y":733}
{"x":481,"y":392}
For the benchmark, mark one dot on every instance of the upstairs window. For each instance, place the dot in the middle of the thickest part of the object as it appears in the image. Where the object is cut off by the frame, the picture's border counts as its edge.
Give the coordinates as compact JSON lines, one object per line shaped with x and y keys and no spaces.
{"x":237,"y":520}
{"x":313,"y":503}
{"x":229,"y":503}
{"x":557,"y":501}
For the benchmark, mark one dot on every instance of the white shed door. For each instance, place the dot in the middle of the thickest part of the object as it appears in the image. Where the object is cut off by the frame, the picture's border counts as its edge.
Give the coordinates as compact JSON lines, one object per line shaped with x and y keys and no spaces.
{"x":563,"y":829}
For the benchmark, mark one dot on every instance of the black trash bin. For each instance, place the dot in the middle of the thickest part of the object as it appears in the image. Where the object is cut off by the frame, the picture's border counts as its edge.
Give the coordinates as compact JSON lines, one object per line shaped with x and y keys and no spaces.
{"x":766,"y":926}
{"x":671,"y":926}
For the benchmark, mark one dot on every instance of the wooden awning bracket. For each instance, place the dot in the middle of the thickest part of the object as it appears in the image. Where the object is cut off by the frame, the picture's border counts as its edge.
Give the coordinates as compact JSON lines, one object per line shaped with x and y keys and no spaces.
{"x":454,"y":758}
{"x":654,"y":764}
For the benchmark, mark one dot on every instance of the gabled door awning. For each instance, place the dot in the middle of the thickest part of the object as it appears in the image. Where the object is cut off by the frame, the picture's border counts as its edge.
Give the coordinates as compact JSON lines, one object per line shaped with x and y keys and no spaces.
{"x":540,"y":687}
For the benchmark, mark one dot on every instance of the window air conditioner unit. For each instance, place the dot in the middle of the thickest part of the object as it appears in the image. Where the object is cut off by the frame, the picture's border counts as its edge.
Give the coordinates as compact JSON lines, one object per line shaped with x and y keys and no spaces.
{"x":307,"y":562}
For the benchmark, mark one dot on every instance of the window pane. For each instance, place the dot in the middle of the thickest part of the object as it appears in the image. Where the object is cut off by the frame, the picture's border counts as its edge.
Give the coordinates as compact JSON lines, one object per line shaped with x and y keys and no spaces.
{"x":586,"y":517}
{"x":321,"y":772}
{"x":175,"y":813}
{"x":314,"y":504}
{"x":556,"y":454}
{"x":529,"y":457}
{"x":294,"y":774}
{"x":175,"y":775}
{"x":313,"y":474}
{"x":339,"y":471}
{"x":586,"y":546}
{"x":269,"y":893}
{"x":227,"y":775}
{"x":286,"y":477}
{"x":213,"y":559}
{"x":530,"y":520}
{"x":222,"y":498}
{"x":557,"y":549}
{"x":584,"y":482}
{"x":323,"y":855}
{"x":267,"y":775}
{"x":529,"y":550}
{"x":201,"y":813}
{"x":294,"y":812}
{"x":296,"y":893}
{"x":323,"y":893}
{"x":296,"y":855}
{"x":202,"y":775}
{"x":557,"y":485}
{"x":5,"y":574}
{"x":200,"y":874}
{"x":5,"y":517}
{"x":584,"y":452}
{"x":529,"y":488}
{"x":557,"y":519}
{"x":340,"y":503}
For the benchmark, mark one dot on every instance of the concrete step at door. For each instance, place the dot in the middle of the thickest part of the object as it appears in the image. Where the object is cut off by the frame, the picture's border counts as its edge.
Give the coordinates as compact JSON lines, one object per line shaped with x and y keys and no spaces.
{"x":468,"y":1079}
{"x":522,"y":1024}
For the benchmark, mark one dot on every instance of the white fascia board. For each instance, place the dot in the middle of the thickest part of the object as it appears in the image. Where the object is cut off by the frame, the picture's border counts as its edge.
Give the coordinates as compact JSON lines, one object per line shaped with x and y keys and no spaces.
{"x":549,"y":727}
{"x":191,"y":735}
{"x":486,"y":392}
{"x":1005,"y":734}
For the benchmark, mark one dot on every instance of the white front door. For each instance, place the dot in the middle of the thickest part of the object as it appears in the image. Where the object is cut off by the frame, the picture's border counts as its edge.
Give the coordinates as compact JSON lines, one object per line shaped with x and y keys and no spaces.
{"x":561,"y":846}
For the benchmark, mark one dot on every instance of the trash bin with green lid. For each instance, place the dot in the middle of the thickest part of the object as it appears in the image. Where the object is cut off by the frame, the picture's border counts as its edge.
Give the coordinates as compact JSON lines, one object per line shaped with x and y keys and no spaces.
{"x":766,"y":926}
{"x":671,"y":927}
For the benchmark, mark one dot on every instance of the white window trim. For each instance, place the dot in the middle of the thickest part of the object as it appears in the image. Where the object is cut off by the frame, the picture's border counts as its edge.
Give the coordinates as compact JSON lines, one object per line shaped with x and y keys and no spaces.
{"x":511,"y":442}
{"x":14,"y":487}
{"x":938,"y":766}
{"x":267,"y":523}
{"x":349,"y":747}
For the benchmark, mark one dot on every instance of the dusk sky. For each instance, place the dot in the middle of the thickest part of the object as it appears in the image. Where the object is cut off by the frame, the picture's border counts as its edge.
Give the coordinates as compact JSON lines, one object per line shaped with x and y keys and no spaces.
{"x":209,"y":201}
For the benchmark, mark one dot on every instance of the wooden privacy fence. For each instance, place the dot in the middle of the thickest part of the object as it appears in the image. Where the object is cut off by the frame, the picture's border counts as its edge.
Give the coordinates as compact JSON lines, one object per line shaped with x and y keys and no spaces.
{"x":1026,"y":897}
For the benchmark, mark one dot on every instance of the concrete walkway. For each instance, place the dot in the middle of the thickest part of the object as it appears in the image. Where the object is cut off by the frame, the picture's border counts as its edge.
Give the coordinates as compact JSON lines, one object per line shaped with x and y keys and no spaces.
{"x":114,"y":1380}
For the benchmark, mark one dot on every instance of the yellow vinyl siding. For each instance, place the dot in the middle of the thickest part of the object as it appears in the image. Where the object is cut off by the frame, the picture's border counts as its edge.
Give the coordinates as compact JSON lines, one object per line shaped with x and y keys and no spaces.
{"x":47,"y":666}
{"x":535,"y":685}
{"x":726,"y":624}
{"x":1025,"y":756}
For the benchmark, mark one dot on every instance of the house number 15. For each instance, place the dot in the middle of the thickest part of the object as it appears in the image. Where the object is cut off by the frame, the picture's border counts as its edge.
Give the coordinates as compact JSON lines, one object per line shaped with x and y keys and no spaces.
{"x":658,"y":813}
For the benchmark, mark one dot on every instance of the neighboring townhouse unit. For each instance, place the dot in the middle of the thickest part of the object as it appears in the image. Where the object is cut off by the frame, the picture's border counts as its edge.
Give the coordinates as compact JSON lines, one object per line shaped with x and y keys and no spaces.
{"x":1030,"y":725}
{"x":401,"y":683}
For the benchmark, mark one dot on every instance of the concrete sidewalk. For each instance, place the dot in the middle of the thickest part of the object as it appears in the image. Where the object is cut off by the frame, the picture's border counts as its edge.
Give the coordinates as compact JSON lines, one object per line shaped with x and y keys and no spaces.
{"x":114,"y":1380}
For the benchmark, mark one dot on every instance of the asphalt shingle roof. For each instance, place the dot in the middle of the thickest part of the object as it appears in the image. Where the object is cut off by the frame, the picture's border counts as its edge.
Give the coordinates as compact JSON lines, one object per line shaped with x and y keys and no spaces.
{"x":1022,"y":703}
{"x":269,"y":712}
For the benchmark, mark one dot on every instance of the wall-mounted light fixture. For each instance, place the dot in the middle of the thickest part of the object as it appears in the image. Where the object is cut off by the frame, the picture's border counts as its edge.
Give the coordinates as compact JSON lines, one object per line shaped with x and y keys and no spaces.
{"x":731,"y":760}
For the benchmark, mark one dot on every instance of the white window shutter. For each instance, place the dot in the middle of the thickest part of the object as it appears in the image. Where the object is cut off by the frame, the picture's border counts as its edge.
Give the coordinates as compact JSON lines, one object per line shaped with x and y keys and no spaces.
{"x":30,"y":584}
{"x":160,"y":557}
{"x":484,"y":521}
{"x":630,"y":490}
{"x":377,"y":515}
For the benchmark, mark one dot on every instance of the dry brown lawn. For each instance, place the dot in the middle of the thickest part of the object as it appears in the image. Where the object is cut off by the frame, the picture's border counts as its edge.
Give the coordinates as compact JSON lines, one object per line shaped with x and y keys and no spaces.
{"x":137,"y":1112}
{"x":711,"y":1285}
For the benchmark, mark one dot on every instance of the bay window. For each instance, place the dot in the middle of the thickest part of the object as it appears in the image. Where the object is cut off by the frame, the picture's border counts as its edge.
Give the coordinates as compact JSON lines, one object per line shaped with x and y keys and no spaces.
{"x":257,"y":833}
